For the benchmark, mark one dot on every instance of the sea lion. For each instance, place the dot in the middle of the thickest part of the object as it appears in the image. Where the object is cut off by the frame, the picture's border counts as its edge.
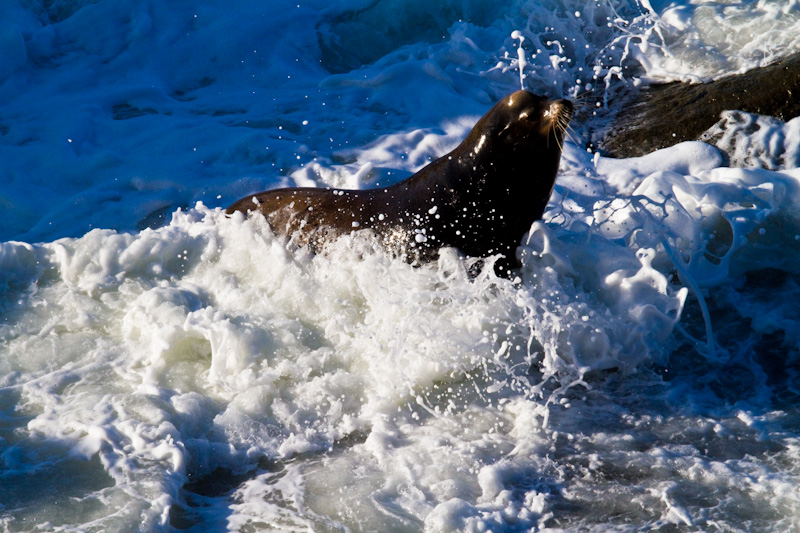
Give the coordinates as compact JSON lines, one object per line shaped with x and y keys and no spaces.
{"x":481,"y":198}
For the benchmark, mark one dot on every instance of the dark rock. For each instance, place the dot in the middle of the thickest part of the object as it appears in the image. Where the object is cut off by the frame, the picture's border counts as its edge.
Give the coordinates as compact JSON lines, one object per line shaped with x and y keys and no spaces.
{"x":159,"y":217}
{"x":663,"y":115}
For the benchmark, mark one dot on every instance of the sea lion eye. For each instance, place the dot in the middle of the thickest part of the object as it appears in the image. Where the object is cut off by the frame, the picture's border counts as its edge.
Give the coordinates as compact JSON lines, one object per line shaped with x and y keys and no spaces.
{"x":523,"y":115}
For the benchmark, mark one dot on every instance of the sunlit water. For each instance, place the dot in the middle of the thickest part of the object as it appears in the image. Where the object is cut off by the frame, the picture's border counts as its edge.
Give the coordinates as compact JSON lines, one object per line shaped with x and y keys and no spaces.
{"x":639,"y":372}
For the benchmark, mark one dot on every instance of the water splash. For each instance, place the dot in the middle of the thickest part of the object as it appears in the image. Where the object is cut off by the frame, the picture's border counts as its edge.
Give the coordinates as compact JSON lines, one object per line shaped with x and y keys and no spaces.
{"x":521,"y":61}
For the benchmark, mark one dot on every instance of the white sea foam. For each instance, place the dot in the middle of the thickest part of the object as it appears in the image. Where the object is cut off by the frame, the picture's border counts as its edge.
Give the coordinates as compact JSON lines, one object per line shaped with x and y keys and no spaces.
{"x":640,"y":372}
{"x":207,"y":344}
{"x":756,"y":141}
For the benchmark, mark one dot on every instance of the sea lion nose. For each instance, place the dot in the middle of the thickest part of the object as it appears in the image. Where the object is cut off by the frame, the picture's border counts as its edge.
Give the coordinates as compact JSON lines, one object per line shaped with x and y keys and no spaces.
{"x":559,"y":108}
{"x":567,"y":106}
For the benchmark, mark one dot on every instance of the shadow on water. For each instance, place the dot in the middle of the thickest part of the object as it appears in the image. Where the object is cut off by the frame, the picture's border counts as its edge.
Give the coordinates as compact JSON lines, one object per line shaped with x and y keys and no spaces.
{"x":63,"y":487}
{"x":755,"y":325}
{"x":40,"y":476}
{"x":636,"y":446}
{"x":206,"y":499}
{"x":352,"y":38}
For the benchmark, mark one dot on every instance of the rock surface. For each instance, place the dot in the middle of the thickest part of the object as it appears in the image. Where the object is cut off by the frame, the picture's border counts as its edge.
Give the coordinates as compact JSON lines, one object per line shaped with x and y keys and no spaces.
{"x":664,"y":115}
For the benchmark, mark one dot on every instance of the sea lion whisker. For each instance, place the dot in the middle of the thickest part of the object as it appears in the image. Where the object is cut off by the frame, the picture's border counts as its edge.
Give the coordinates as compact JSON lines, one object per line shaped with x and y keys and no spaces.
{"x":586,"y":102}
{"x":566,"y":129}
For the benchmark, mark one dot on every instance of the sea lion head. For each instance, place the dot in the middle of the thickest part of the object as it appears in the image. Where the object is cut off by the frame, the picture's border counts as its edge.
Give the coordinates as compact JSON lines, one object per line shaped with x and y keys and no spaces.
{"x":522,"y":122}
{"x":514,"y":152}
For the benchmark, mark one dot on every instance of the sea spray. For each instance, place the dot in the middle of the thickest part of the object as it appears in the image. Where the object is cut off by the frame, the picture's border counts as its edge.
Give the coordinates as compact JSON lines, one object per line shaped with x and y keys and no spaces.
{"x":521,"y":61}
{"x":203,"y":375}
{"x":209,"y":344}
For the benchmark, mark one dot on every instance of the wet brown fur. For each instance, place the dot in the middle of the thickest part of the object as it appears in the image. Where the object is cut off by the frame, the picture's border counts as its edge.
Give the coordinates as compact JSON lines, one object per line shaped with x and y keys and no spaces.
{"x":480,"y":198}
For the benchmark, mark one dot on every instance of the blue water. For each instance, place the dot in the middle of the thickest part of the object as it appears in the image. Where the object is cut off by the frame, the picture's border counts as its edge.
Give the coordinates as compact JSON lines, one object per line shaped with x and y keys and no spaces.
{"x":163,"y":367}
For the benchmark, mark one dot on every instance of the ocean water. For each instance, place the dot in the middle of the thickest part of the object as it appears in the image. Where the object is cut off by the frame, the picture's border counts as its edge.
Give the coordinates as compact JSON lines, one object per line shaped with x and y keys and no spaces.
{"x":164,"y":367}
